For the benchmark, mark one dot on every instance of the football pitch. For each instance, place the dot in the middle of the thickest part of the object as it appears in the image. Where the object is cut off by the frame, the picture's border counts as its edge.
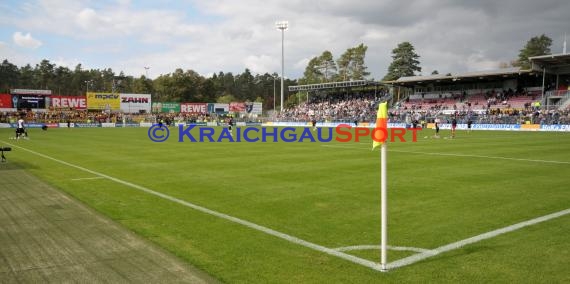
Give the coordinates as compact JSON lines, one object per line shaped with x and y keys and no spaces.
{"x":488,"y":206}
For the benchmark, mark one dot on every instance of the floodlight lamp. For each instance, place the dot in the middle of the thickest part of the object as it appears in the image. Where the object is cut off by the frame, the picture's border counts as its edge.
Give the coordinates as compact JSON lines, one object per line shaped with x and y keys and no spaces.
{"x":282,"y":25}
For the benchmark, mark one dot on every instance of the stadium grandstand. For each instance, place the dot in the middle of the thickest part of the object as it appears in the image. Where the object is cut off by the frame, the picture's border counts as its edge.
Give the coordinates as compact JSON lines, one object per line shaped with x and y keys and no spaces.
{"x":556,"y":69}
{"x":508,"y":95}
{"x":539,"y":95}
{"x":346,"y":101}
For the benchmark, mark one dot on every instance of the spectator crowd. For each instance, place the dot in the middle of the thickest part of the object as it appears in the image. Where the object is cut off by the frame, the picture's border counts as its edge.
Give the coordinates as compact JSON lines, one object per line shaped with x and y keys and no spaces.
{"x":348,"y":107}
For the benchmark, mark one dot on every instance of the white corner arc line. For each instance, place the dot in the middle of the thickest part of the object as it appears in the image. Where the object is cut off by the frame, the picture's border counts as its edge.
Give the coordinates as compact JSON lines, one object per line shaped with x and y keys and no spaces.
{"x":452,"y":246}
{"x":377,"y":247}
{"x":367,"y":263}
{"x":292,"y":239}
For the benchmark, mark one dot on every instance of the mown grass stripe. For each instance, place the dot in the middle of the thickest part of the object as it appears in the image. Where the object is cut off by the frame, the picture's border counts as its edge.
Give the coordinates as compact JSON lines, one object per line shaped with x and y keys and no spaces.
{"x":248,"y":224}
{"x":456,"y":245}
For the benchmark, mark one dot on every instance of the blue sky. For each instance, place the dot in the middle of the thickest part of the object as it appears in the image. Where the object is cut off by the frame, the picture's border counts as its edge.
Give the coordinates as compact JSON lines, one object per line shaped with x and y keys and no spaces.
{"x":230,"y":35}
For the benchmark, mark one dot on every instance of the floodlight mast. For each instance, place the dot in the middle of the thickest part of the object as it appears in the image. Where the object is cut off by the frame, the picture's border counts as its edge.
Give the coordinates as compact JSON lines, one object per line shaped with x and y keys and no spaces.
{"x":564,"y":47}
{"x":282,"y":25}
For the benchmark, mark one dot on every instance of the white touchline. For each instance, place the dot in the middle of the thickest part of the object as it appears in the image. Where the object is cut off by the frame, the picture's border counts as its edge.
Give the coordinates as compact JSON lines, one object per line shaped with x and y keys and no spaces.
{"x":452,"y":246}
{"x":347,"y":147}
{"x":263,"y":229}
{"x":453,"y":155}
{"x":482,"y":156}
{"x":76,"y":179}
{"x":370,"y":264}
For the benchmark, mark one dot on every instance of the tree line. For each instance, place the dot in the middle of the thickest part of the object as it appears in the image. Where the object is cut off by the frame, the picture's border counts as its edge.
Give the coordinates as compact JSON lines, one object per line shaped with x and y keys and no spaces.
{"x":189,"y":86}
{"x":178,"y":86}
{"x":348,"y":67}
{"x":405,"y":60}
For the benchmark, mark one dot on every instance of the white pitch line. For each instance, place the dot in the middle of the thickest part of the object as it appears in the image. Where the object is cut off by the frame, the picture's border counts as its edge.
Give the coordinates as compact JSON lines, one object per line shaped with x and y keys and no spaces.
{"x":455,"y":155}
{"x":292,"y":239}
{"x":76,"y":179}
{"x":377,"y":247}
{"x":347,"y":147}
{"x":456,"y":245}
{"x":484,"y":157}
{"x":295,"y":240}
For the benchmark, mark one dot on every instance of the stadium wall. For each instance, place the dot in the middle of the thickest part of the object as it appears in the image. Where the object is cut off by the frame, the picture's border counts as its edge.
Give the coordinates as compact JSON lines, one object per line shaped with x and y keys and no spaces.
{"x":497,"y":127}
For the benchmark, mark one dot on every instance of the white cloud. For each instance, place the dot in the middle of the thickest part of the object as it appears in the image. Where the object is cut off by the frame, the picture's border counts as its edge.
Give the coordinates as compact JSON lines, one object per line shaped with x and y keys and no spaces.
{"x":14,"y":54}
{"x":69,"y":63}
{"x":260,"y":64}
{"x":89,"y":20}
{"x":26,"y":40}
{"x":226,"y":35}
{"x":375,"y":34}
{"x":479,"y":62}
{"x":124,"y":2}
{"x":301,"y":64}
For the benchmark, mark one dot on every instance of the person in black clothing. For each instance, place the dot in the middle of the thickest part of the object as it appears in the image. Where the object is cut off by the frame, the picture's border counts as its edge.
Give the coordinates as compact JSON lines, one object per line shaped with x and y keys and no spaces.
{"x":230,"y":124}
{"x":314,"y":123}
{"x":437,"y":121}
{"x":453,"y":126}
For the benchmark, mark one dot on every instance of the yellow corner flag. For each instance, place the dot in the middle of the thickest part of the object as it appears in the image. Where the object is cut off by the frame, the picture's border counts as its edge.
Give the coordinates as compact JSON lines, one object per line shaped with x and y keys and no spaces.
{"x":381,"y":126}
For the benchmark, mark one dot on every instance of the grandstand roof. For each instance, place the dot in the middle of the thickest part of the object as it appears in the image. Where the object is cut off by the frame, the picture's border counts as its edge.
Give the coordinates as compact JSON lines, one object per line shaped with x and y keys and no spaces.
{"x":555,"y":63}
{"x":332,"y":85}
{"x":487,"y":75}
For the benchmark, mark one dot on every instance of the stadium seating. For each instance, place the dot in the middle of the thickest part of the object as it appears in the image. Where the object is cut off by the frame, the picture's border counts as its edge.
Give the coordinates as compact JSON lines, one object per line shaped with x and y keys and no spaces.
{"x":470,"y":99}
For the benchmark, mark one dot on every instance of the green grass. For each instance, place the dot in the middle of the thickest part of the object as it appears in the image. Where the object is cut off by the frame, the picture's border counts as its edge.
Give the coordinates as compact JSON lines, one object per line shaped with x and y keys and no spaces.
{"x":329,"y":196}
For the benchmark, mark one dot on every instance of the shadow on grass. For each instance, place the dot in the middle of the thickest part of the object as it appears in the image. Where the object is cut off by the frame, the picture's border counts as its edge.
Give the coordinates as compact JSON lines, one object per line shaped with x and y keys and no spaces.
{"x":11,"y":165}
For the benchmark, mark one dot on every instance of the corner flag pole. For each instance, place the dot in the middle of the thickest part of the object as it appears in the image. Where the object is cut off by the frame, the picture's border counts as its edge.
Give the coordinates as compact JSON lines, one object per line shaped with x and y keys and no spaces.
{"x":382,"y":127}
{"x":383,"y":209}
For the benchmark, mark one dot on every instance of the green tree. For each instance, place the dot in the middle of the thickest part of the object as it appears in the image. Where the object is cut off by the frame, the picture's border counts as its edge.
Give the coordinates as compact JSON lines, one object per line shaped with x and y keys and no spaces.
{"x":208,"y":91}
{"x":161,"y":87}
{"x":226,"y":99}
{"x":404,"y":62}
{"x":93,"y":78}
{"x":184,"y":85}
{"x":178,"y":86}
{"x":228,"y":84}
{"x":26,"y":77}
{"x":327,"y":66}
{"x":62,"y":81}
{"x":293,"y":100}
{"x":143,"y":85}
{"x":107,"y":79}
{"x":351,"y":64}
{"x":245,"y":86}
{"x":312,"y":74}
{"x":9,"y":76}
{"x":44,"y":74}
{"x":536,"y":46}
{"x":81,"y":78}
